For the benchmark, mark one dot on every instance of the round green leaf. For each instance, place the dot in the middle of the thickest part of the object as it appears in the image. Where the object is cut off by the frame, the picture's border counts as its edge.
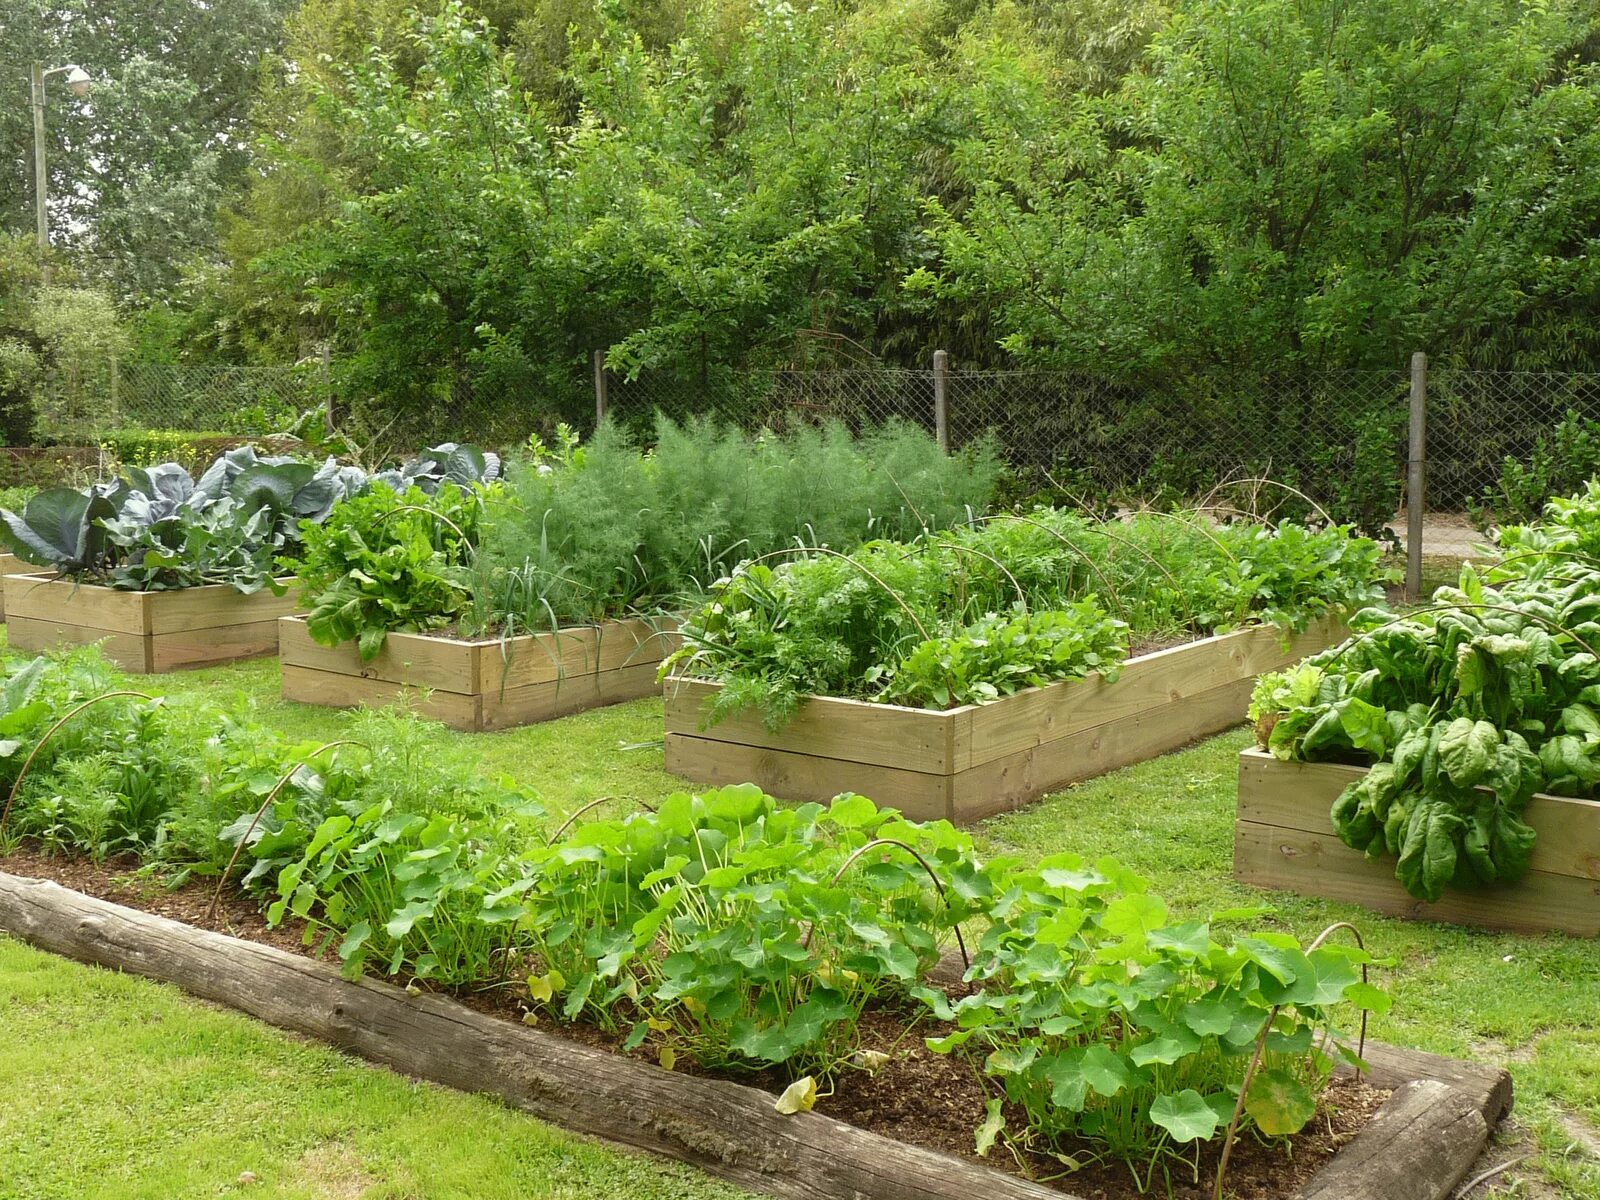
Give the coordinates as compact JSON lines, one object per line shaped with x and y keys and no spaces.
{"x":1186,"y":1116}
{"x":1279,"y":1103}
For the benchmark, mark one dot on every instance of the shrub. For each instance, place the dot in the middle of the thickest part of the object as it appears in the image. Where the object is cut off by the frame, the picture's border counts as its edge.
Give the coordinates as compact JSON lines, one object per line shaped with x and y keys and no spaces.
{"x":1561,"y":462}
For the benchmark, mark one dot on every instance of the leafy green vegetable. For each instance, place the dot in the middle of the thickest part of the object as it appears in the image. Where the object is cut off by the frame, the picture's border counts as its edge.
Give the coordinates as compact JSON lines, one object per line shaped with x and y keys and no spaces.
{"x":385,"y":561}
{"x":1462,"y":711}
{"x":972,"y":613}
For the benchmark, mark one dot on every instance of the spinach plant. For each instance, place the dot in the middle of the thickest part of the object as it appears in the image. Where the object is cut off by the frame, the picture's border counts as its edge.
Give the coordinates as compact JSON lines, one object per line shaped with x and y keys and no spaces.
{"x":1462,"y":711}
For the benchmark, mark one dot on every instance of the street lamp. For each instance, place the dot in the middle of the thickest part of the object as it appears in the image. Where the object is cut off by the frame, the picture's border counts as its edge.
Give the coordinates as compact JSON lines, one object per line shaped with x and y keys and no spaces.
{"x":78,"y":81}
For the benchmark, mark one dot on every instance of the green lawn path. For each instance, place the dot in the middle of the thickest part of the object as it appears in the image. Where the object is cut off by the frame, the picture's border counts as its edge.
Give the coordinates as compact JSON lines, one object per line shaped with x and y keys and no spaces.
{"x":134,"y":1091}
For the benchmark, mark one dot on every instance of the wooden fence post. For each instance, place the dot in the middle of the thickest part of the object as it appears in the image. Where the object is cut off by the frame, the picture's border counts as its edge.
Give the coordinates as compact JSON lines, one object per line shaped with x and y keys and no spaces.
{"x":601,"y":405}
{"x":941,"y":399}
{"x":1416,"y":474}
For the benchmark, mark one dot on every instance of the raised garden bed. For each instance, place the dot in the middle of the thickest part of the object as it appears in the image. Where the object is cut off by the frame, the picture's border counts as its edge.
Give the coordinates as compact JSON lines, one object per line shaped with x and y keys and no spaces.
{"x":483,"y":684}
{"x":970,"y":762}
{"x":10,"y":564}
{"x":1284,"y":839}
{"x":144,"y":632}
{"x":1419,"y":1146}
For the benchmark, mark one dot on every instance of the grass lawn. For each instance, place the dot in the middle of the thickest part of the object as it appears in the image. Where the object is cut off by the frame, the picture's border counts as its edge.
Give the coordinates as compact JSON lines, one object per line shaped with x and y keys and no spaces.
{"x":138,"y":1092}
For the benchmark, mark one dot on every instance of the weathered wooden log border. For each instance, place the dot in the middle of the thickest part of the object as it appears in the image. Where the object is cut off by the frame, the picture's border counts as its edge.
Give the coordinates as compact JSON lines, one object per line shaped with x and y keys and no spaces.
{"x":482,"y":684}
{"x":1284,"y":839}
{"x":966,"y":763}
{"x":147,"y":633}
{"x":1418,"y":1146}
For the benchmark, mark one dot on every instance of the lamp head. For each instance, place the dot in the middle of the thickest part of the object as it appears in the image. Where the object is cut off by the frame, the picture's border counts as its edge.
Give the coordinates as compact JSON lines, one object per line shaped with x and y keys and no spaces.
{"x":78,"y":80}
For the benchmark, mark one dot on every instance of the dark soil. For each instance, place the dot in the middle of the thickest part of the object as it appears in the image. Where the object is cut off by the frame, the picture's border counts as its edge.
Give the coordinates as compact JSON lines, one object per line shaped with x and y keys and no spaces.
{"x":914,"y":1096}
{"x":1153,"y":642}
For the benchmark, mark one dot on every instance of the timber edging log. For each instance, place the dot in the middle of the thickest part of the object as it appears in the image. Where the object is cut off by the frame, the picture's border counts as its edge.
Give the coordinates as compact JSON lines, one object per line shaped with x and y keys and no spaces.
{"x":1418,"y":1147}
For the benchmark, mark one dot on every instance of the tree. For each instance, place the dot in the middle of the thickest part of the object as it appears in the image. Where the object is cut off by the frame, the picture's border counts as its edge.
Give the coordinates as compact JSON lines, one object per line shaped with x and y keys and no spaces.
{"x":1293,"y":183}
{"x":137,"y":169}
{"x":58,"y":344}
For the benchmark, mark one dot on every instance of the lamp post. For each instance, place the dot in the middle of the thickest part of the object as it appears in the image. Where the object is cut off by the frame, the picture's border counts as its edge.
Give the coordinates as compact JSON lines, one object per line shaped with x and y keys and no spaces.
{"x":78,"y":81}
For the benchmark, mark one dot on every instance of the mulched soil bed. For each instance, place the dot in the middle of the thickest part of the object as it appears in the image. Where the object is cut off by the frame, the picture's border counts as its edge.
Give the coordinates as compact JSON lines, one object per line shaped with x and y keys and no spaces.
{"x":918,"y":1097}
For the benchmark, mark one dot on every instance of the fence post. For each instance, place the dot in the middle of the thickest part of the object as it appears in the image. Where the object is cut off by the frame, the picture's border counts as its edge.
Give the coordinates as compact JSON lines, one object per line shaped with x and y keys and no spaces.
{"x":327,"y":388}
{"x":601,"y":405}
{"x":941,"y":399}
{"x":1416,"y":474}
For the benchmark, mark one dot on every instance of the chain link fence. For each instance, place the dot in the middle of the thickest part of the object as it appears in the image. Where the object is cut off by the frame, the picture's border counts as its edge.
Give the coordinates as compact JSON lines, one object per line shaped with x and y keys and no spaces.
{"x":1331,"y":441}
{"x":1498,"y":443}
{"x":86,"y":402}
{"x":1501,"y":442}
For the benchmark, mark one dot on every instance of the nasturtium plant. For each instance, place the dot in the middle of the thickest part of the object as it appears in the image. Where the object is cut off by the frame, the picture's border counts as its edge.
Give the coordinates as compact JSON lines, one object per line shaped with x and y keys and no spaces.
{"x":743,"y":933}
{"x":1107,"y":1021}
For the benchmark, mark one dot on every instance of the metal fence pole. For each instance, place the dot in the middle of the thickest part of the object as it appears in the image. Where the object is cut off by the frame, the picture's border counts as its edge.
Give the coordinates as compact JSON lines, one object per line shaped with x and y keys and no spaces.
{"x":1416,"y":474}
{"x":941,"y":399}
{"x":600,"y":402}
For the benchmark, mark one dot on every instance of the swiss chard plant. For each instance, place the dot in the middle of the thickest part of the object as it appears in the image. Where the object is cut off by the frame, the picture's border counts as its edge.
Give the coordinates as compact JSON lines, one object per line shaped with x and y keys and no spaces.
{"x":388,"y":561}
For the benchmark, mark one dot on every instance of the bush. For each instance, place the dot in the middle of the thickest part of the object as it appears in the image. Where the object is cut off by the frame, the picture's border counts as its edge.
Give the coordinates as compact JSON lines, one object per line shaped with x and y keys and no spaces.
{"x":1559,"y":464}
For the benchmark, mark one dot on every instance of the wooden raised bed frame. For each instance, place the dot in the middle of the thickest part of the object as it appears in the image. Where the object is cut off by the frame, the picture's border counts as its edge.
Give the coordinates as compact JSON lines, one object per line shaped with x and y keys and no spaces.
{"x":485,"y":684}
{"x":144,"y":632}
{"x":1284,"y":839}
{"x":970,"y":762}
{"x":1419,"y":1146}
{"x":10,"y":564}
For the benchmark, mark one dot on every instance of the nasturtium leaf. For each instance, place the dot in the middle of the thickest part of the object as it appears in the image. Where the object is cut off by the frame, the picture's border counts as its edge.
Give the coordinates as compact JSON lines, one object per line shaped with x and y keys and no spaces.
{"x":1134,"y":916}
{"x":800,"y":1096}
{"x":1069,"y":1090}
{"x":1283,"y":963}
{"x":1321,"y":980}
{"x":1011,"y":1060}
{"x":1165,"y":1049}
{"x":994,"y":1121}
{"x":1072,"y":879}
{"x":1208,"y":1018}
{"x":852,"y":811}
{"x":667,"y":1057}
{"x":1279,"y":1103}
{"x":1104,"y":1070}
{"x":1190,"y":937}
{"x":1185,"y":1115}
{"x":1372,"y":999}
{"x":944,"y":1045}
